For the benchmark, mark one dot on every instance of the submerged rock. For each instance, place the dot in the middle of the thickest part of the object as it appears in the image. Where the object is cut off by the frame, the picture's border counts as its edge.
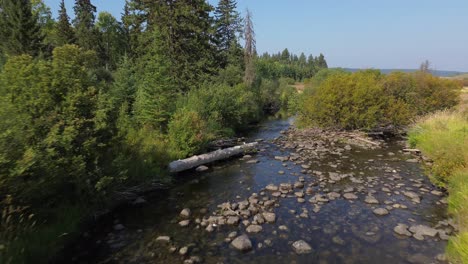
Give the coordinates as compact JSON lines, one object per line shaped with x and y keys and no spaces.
{"x":254,"y":229}
{"x":269,"y":217}
{"x":163,"y":239}
{"x":380,"y":211}
{"x":202,"y":168}
{"x":350,"y":196}
{"x":301,"y":247}
{"x":419,"y":231}
{"x":371,"y":200}
{"x":242,"y":243}
{"x":185,"y":213}
{"x":402,"y":229}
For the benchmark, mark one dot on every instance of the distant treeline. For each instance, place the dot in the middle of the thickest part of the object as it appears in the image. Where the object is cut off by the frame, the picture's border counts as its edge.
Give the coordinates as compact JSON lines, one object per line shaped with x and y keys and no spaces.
{"x":289,"y":65}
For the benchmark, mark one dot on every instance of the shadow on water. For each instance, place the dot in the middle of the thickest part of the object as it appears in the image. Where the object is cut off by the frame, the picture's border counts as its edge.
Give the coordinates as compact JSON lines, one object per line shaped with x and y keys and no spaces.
{"x":341,"y":232}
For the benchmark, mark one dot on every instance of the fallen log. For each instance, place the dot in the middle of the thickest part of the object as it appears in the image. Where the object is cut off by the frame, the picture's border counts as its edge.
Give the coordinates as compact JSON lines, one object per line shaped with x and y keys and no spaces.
{"x":195,"y":161}
{"x":412,"y":150}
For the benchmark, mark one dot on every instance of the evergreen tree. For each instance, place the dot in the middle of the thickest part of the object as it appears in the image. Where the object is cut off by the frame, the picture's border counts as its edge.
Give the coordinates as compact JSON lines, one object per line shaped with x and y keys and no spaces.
{"x":321,"y":62}
{"x":19,"y":28}
{"x":86,"y":35}
{"x":112,"y":39}
{"x":228,"y":25}
{"x":133,"y":19}
{"x":249,"y":49}
{"x":154,"y":87}
{"x":65,"y":33}
{"x":186,"y":31}
{"x":285,"y":56}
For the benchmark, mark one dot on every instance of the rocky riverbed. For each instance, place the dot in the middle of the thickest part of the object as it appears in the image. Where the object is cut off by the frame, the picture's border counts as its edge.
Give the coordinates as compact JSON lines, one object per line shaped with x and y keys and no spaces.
{"x":308,"y":196}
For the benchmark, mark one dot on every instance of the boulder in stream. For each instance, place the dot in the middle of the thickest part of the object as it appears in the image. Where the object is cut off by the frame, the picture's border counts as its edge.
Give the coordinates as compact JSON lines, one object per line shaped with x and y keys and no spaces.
{"x":301,"y":247}
{"x":242,"y":243}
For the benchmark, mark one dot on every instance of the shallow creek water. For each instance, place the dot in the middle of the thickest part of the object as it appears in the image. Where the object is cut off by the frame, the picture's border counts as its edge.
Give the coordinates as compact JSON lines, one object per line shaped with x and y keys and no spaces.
{"x":342,"y":231}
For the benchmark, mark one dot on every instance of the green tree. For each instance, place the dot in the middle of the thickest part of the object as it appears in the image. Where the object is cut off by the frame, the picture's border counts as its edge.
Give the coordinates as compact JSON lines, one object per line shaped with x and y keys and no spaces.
{"x":112,"y":39}
{"x":46,"y":23}
{"x":154,"y":88}
{"x":186,"y":30}
{"x":321,"y":62}
{"x":65,"y":32}
{"x":228,"y":25}
{"x":63,"y":130}
{"x":86,"y":35}
{"x":285,"y":56}
{"x":19,"y":28}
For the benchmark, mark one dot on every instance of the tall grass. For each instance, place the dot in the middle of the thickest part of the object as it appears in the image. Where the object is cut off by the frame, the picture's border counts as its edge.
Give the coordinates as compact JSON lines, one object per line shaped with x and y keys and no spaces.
{"x":443,"y":137}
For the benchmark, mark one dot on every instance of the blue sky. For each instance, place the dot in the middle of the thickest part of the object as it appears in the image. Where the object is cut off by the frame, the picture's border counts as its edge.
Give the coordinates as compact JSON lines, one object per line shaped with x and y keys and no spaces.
{"x":355,"y":33}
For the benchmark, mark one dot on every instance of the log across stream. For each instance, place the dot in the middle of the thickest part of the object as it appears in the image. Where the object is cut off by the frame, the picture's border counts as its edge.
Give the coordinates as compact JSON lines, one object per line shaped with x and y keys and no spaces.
{"x":310,"y":198}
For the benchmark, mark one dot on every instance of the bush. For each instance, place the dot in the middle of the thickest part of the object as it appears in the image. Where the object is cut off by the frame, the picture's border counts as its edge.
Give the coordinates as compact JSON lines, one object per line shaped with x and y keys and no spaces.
{"x":346,"y":101}
{"x":188,"y":133}
{"x":368,"y":100}
{"x":231,"y":107}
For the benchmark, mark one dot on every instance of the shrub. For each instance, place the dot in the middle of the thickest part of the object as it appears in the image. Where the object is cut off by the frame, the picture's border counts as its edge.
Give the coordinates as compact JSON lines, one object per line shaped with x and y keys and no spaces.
{"x":346,"y":101}
{"x":231,"y":107}
{"x":367,"y":99}
{"x":188,"y":133}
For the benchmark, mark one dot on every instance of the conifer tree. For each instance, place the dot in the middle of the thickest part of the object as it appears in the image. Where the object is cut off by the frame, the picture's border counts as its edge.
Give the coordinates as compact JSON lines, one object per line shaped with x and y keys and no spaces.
{"x":228,"y":25}
{"x":65,"y":33}
{"x":19,"y":29}
{"x":86,"y":35}
{"x":321,"y":62}
{"x":186,"y":32}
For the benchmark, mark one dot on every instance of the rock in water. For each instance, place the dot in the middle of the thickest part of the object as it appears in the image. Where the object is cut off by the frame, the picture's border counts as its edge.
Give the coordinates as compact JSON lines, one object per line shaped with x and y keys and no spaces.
{"x":350,"y":196}
{"x":242,"y":243}
{"x":402,"y":229}
{"x":269,"y":217}
{"x":381,"y":211}
{"x":301,"y":247}
{"x":201,"y":168}
{"x":271,"y":187}
{"x":163,"y":239}
{"x":419,"y":231}
{"x":254,"y":229}
{"x":185,"y":213}
{"x":371,"y":200}
{"x":184,"y":223}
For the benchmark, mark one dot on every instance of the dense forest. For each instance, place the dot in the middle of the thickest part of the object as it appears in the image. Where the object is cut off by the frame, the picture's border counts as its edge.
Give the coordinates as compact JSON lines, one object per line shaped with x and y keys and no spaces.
{"x":93,"y":105}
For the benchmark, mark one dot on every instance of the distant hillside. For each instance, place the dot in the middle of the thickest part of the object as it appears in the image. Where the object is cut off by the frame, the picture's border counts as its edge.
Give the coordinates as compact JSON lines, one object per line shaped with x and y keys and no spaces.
{"x":436,"y":73}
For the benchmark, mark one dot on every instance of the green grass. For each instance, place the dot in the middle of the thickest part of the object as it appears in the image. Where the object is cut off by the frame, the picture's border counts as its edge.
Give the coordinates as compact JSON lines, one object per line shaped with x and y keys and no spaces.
{"x":443,"y":137}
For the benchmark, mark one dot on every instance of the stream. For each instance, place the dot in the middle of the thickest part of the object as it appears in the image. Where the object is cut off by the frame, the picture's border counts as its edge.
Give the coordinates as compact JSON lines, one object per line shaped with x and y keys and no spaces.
{"x":336,"y":218}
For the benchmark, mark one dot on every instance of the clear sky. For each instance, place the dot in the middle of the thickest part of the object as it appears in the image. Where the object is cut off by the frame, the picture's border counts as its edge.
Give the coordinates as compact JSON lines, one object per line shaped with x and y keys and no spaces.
{"x":354,"y":33}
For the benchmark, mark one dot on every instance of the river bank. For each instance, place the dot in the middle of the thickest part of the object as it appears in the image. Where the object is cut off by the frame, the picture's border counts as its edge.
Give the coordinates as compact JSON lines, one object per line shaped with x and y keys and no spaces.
{"x":443,"y":138}
{"x":308,"y":195}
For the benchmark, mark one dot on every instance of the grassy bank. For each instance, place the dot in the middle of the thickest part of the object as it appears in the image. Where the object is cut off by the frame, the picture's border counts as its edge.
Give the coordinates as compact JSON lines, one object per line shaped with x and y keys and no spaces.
{"x":443,"y":137}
